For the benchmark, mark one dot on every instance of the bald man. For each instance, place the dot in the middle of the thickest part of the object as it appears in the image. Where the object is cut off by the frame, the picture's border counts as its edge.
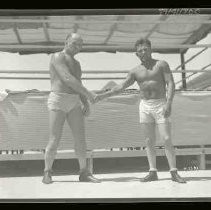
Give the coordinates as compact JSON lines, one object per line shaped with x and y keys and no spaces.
{"x":68,"y":100}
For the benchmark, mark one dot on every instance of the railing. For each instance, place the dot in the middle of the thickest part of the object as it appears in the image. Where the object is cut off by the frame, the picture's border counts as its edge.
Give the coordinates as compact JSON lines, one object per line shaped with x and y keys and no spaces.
{"x":44,"y":72}
{"x":108,"y":75}
{"x":35,"y":74}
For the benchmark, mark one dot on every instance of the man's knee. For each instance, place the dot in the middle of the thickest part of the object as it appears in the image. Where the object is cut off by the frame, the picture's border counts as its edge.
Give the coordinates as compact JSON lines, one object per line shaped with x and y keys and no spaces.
{"x":53,"y":143}
{"x":51,"y":150}
{"x":55,"y":135}
{"x":150,"y":142}
{"x":167,"y":140}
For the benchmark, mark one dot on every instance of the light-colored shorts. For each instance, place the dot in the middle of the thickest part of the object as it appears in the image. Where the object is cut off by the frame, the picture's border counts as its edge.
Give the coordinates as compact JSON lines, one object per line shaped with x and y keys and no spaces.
{"x":150,"y":111}
{"x":63,"y":101}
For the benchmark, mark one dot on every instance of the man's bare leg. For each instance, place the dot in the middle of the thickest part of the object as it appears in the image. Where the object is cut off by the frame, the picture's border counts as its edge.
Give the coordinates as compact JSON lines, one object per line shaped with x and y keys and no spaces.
{"x":150,"y":136}
{"x":75,"y":119}
{"x":165,"y":134}
{"x":56,"y":122}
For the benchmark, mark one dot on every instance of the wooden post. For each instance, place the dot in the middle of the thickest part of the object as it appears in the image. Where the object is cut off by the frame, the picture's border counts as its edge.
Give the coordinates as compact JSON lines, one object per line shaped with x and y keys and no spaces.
{"x":202,"y":159}
{"x":184,"y":85}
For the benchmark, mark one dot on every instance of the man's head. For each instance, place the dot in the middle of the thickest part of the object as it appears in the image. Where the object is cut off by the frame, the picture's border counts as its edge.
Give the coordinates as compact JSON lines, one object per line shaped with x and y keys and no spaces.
{"x":73,"y":43}
{"x":143,"y":49}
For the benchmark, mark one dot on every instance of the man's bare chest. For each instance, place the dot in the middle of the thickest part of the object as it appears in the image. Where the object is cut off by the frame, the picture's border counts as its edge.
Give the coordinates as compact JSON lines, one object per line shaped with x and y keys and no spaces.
{"x":143,"y":75}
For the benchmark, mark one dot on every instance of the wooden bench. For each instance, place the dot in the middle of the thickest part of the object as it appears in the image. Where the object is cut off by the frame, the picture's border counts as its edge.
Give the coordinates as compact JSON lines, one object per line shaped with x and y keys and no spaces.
{"x":114,"y":123}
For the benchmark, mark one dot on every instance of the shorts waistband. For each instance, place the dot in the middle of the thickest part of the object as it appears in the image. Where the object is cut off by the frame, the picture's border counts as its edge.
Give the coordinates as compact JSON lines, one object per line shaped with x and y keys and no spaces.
{"x":63,"y":94}
{"x":151,"y":101}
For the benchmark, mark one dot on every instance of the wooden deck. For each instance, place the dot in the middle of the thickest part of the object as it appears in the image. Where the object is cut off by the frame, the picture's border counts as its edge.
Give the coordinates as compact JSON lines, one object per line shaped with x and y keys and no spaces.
{"x":113,"y":185}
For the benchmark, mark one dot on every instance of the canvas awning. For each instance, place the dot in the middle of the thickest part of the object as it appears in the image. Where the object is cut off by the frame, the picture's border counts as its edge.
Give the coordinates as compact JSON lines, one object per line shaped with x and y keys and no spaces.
{"x":110,"y":33}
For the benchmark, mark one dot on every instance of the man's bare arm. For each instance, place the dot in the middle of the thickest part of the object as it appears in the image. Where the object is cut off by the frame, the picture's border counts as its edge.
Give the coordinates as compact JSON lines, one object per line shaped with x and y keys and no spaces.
{"x":64,"y":74}
{"x":168,"y":77}
{"x":130,"y":79}
{"x":83,"y":99}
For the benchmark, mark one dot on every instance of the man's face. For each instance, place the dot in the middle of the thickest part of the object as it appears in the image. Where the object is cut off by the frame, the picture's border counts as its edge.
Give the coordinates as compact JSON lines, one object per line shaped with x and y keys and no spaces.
{"x":74,"y":45}
{"x":143,"y":51}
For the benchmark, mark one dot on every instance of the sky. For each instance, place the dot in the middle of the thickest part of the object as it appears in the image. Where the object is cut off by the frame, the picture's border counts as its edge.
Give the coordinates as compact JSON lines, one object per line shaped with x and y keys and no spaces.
{"x":92,"y":61}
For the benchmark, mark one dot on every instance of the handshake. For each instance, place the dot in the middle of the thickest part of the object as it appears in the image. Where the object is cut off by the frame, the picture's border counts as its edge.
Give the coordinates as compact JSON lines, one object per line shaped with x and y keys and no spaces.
{"x":94,"y":98}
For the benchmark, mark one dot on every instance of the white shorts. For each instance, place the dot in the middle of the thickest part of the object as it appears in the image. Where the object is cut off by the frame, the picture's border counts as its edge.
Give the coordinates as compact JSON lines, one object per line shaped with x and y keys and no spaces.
{"x":150,"y":111}
{"x":63,"y":101}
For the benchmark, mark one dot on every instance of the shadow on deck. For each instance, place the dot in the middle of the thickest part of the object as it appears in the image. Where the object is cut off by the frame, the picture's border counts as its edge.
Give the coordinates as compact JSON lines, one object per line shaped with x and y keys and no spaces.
{"x":29,"y":168}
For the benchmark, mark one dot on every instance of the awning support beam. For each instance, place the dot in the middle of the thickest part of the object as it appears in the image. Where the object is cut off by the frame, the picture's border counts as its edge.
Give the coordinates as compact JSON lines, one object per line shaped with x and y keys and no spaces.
{"x":162,"y":18}
{"x":15,"y":29}
{"x":182,"y":57}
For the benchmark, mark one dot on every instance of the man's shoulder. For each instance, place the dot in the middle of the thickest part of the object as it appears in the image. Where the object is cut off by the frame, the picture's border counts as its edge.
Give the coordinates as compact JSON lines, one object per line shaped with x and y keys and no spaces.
{"x":162,"y":63}
{"x":137,"y":68}
{"x":164,"y":66}
{"x":58,"y":55}
{"x":76,"y":61}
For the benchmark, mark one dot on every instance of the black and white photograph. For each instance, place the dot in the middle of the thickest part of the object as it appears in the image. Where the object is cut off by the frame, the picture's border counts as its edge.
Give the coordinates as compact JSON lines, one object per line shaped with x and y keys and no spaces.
{"x":105,"y":104}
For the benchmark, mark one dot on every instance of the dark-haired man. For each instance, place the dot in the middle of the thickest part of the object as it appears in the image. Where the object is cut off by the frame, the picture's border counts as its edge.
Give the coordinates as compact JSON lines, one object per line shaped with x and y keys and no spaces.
{"x":157,"y":88}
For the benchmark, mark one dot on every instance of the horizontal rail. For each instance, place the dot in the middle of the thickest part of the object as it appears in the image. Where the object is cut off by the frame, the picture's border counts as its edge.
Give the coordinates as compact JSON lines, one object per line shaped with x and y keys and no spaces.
{"x":85,"y":72}
{"x":47,"y":78}
{"x":39,"y":156}
{"x":101,"y":47}
{"x":47,"y":72}
{"x":95,"y":72}
{"x":105,"y":154}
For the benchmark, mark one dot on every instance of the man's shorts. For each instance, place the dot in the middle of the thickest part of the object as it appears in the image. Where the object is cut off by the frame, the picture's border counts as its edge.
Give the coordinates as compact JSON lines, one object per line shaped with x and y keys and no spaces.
{"x":151,"y":111}
{"x":63,"y":101}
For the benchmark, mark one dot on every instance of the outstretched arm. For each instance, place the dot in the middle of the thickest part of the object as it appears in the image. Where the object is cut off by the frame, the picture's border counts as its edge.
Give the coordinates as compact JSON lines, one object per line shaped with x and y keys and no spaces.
{"x":130,"y":79}
{"x":86,"y":106}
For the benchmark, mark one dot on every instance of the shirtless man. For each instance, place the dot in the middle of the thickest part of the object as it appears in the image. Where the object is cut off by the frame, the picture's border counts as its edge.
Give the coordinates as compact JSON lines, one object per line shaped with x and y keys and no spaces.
{"x":157,"y":91}
{"x":64,"y":103}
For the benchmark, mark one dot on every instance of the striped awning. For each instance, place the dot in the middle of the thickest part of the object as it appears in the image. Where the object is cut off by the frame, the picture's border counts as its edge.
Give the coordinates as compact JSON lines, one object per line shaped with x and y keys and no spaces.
{"x":110,"y":33}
